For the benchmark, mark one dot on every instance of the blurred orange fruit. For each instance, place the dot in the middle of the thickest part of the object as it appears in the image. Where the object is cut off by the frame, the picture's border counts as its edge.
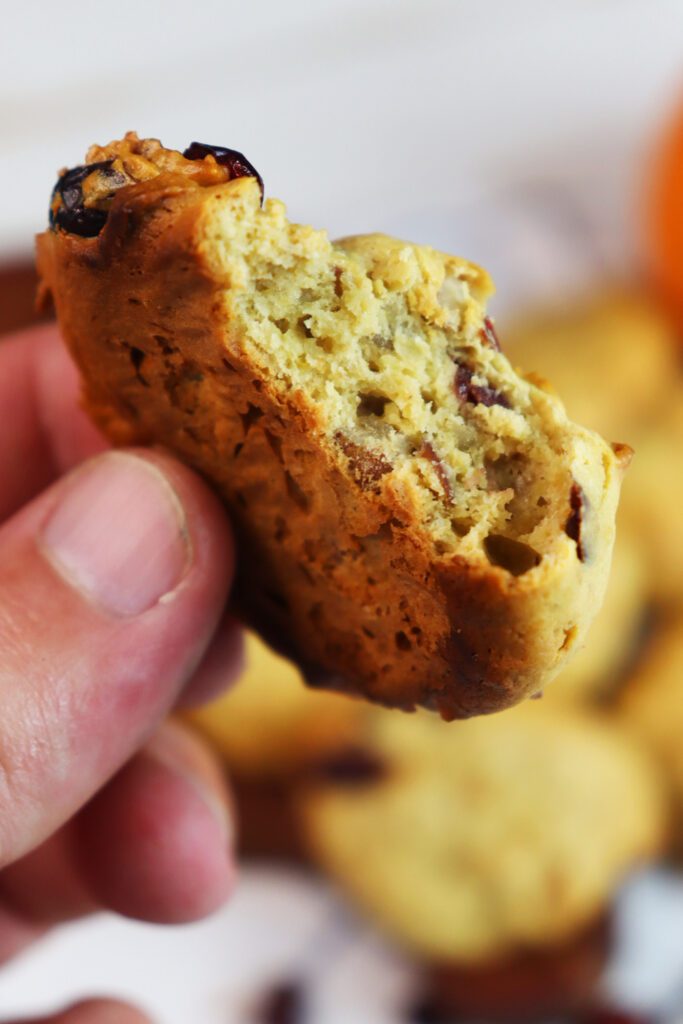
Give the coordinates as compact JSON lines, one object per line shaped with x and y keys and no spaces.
{"x":664,"y":217}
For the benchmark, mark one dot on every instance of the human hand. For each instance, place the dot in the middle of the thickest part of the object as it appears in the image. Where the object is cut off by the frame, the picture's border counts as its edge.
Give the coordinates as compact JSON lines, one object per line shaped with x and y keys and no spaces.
{"x":113,"y":581}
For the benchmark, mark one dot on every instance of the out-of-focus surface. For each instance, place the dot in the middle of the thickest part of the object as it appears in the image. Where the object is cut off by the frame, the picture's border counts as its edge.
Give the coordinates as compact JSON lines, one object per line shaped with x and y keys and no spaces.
{"x":386,"y":115}
{"x":517,"y":136}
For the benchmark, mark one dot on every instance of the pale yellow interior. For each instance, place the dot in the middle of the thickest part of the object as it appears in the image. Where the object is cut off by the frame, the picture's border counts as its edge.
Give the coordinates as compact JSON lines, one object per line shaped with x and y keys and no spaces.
{"x":371,"y":331}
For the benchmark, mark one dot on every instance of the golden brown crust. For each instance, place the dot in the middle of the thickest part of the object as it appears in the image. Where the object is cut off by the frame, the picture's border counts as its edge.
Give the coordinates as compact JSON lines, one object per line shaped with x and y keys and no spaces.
{"x":334,"y":568}
{"x":615,"y":639}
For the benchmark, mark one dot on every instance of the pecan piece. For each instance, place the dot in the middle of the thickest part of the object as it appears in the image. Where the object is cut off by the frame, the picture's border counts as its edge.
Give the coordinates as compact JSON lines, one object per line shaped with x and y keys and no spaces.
{"x":367,"y":467}
{"x":427,"y":452}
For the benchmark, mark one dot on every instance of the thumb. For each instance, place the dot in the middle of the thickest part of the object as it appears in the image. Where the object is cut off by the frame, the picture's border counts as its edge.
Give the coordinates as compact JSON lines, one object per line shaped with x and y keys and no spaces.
{"x":94,"y":1011}
{"x":111,"y":584}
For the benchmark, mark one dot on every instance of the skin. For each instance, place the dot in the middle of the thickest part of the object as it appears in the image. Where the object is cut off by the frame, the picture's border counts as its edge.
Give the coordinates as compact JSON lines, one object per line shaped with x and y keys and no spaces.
{"x":103,"y":803}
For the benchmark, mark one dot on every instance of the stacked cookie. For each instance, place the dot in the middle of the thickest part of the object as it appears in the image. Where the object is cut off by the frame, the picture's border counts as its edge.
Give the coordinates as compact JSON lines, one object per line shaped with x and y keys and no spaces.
{"x":638,"y":671}
{"x":617,"y":364}
{"x":269,"y":729}
{"x":493,"y":849}
{"x":651,"y":704}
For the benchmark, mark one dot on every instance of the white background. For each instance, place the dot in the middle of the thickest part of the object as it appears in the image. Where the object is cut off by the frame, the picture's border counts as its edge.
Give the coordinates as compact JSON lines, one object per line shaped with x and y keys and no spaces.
{"x":362,"y":114}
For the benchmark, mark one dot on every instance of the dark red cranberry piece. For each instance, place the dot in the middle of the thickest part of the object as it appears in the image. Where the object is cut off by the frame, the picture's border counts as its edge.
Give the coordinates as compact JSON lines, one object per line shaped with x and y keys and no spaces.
{"x":353,"y":766}
{"x":489,"y":333}
{"x":476,"y":394}
{"x":284,"y":1004}
{"x":237,"y":163}
{"x":462,"y":381}
{"x":67,"y":210}
{"x":575,"y":520}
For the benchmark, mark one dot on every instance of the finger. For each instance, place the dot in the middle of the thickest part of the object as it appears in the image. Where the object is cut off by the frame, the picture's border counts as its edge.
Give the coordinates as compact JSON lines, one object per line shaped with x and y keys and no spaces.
{"x":93,"y":1011}
{"x":156,"y":844}
{"x":111,"y":584}
{"x":70,"y":434}
{"x":41,"y":889}
{"x":220,"y":667}
{"x":39,"y":396}
{"x":39,"y":389}
{"x":16,"y":933}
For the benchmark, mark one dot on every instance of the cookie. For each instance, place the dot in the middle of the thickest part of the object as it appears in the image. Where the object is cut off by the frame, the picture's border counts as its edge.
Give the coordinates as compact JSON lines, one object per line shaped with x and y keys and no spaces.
{"x":533,"y":985}
{"x":477,"y":840}
{"x":269,"y":725}
{"x":651,"y":705}
{"x":267,"y":729}
{"x":652,"y":499}
{"x":612,"y":357}
{"x":267,"y":824}
{"x":616,"y":362}
{"x":416,"y":522}
{"x":617,"y":633}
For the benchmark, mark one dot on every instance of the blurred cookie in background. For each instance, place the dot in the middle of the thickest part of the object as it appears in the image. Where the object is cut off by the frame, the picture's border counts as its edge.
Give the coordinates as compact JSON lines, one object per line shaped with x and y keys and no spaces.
{"x":532,"y":985}
{"x":271,"y":722}
{"x":484,"y":844}
{"x":616,"y":360}
{"x":612,"y":358}
{"x":652,"y":707}
{"x":614,"y":638}
{"x":651,"y":504}
{"x":266,"y":728}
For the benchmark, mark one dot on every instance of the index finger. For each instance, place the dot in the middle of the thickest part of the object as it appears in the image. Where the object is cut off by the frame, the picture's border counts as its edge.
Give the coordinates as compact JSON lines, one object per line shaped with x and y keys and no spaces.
{"x":45,"y":430}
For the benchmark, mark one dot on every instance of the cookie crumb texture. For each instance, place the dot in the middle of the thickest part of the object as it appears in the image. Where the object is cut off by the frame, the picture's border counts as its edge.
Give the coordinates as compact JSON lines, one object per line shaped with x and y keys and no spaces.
{"x":417,"y":523}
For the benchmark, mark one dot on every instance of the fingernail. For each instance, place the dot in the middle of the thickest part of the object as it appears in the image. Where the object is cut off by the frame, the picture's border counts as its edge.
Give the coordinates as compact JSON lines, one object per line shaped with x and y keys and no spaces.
{"x":119,"y":534}
{"x":182,"y":753}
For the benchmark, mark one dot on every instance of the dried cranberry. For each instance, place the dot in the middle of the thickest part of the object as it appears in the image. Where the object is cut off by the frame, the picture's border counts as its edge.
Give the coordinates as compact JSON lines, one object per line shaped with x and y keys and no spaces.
{"x":67,"y":210}
{"x":237,"y":163}
{"x":489,"y":335}
{"x":476,"y":394}
{"x":353,"y":766}
{"x":575,"y":520}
